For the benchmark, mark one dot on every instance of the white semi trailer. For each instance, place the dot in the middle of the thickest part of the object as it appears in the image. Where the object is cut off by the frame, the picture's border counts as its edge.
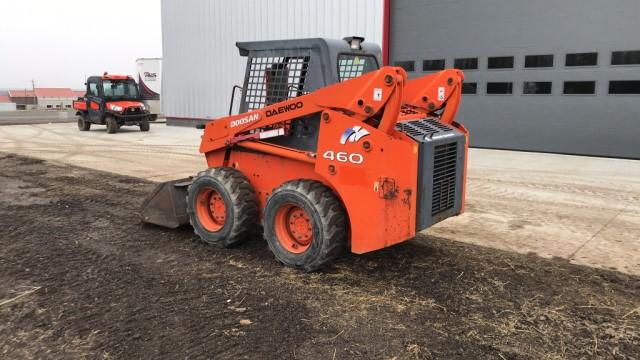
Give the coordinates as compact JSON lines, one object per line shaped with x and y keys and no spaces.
{"x":149,"y":77}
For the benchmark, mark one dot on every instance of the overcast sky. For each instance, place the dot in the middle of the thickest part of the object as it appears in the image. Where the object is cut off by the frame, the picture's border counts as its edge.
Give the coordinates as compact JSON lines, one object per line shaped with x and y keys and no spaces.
{"x":58,"y":43}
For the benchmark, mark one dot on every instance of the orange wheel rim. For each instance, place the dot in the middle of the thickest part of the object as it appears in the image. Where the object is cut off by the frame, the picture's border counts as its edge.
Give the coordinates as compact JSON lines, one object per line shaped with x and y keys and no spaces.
{"x":211,"y":209}
{"x":294,"y":228}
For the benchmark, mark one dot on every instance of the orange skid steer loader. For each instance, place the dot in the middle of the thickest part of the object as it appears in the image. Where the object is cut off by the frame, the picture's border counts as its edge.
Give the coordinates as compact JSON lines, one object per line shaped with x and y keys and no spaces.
{"x":330,"y":152}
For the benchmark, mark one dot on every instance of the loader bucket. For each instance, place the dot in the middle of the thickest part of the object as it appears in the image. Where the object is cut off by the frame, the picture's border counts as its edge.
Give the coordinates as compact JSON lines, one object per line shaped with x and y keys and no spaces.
{"x":167,"y":204}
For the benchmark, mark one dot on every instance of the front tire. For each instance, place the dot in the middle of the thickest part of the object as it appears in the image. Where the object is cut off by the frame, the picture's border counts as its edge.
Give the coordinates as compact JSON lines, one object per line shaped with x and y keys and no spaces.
{"x":305,"y":225}
{"x":112,"y":125}
{"x":83,"y":125}
{"x":144,"y":125}
{"x":222,"y":207}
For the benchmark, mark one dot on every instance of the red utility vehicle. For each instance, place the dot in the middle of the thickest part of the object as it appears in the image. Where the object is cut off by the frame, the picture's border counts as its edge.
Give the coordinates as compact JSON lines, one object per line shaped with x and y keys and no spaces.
{"x":112,"y":100}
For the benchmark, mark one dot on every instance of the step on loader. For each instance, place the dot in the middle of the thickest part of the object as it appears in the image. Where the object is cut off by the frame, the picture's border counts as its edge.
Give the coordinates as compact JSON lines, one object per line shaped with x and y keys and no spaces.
{"x":329,"y":153}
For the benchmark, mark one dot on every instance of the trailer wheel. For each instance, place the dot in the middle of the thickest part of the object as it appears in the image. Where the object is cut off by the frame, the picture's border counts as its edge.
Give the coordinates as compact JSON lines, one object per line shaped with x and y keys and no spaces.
{"x":305,"y":225}
{"x":112,"y":125}
{"x":144,"y":125}
{"x":222,"y":207}
{"x":83,"y":125}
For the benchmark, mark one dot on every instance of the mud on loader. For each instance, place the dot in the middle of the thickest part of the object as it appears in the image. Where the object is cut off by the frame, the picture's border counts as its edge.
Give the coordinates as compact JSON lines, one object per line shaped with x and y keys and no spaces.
{"x":330,"y":152}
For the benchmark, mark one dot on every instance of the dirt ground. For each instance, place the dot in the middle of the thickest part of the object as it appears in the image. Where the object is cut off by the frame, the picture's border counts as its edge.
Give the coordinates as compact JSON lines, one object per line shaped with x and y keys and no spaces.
{"x":81,"y":277}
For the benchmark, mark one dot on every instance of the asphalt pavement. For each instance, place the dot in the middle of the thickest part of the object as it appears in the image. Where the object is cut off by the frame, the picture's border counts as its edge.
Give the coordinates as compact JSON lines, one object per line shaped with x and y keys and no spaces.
{"x":26,"y":117}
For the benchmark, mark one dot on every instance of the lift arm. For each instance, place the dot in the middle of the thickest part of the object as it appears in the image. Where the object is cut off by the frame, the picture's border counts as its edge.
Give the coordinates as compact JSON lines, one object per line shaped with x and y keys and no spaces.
{"x":360,"y":98}
{"x":432,"y":93}
{"x":381,"y":94}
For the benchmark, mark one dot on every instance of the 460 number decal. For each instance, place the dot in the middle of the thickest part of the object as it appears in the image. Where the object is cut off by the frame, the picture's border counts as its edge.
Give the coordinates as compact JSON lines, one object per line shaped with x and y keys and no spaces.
{"x":344,"y":157}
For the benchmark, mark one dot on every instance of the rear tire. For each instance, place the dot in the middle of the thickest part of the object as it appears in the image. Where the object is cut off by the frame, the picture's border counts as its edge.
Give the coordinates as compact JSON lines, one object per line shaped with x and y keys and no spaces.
{"x":305,"y":225}
{"x":144,"y":125}
{"x":112,"y":125}
{"x":222,"y":207}
{"x":83,"y":125}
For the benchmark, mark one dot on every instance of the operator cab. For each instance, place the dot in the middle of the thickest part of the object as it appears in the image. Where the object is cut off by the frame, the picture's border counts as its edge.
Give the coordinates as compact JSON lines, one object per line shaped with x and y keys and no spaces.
{"x":113,"y":88}
{"x":283,"y":69}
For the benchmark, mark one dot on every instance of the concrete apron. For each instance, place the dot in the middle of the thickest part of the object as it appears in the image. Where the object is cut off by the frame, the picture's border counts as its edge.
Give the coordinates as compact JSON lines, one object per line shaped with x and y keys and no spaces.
{"x":585,"y":210}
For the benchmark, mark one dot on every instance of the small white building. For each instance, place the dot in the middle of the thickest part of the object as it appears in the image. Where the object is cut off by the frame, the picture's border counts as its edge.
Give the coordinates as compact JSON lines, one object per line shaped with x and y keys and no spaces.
{"x":56,"y":98}
{"x":23,"y":99}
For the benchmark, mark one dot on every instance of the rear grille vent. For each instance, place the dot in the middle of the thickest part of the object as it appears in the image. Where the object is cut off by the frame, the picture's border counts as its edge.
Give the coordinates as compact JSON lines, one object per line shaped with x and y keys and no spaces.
{"x":419,"y":129}
{"x":441,"y":162}
{"x":444,"y":177}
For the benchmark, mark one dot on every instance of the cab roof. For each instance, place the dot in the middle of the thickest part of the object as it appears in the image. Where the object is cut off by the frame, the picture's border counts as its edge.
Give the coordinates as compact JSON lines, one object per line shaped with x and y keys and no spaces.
{"x":325,"y":45}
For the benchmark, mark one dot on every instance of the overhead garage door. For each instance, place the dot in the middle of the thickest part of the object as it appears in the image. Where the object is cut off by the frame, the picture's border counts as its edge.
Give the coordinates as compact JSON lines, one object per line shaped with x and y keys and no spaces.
{"x":540,"y":75}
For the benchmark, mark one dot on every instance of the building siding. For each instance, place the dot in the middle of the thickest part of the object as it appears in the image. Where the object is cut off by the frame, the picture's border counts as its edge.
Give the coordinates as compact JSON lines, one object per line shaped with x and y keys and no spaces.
{"x":600,"y":124}
{"x":55,"y":103}
{"x":201,"y":63}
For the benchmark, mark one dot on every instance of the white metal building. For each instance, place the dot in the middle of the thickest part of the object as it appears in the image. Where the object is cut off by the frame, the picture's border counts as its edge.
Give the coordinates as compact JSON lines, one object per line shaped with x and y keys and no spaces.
{"x":201,"y":63}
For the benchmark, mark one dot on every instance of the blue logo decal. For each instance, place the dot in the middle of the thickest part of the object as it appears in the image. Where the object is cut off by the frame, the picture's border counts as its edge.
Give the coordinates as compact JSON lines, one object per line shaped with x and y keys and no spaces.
{"x":353,"y":134}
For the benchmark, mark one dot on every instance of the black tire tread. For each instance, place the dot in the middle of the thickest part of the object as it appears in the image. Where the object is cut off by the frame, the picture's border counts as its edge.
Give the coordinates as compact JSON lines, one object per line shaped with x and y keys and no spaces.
{"x":244,"y":202}
{"x":83,"y":124}
{"x":144,"y":125}
{"x":112,"y":125}
{"x":334,"y":222}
